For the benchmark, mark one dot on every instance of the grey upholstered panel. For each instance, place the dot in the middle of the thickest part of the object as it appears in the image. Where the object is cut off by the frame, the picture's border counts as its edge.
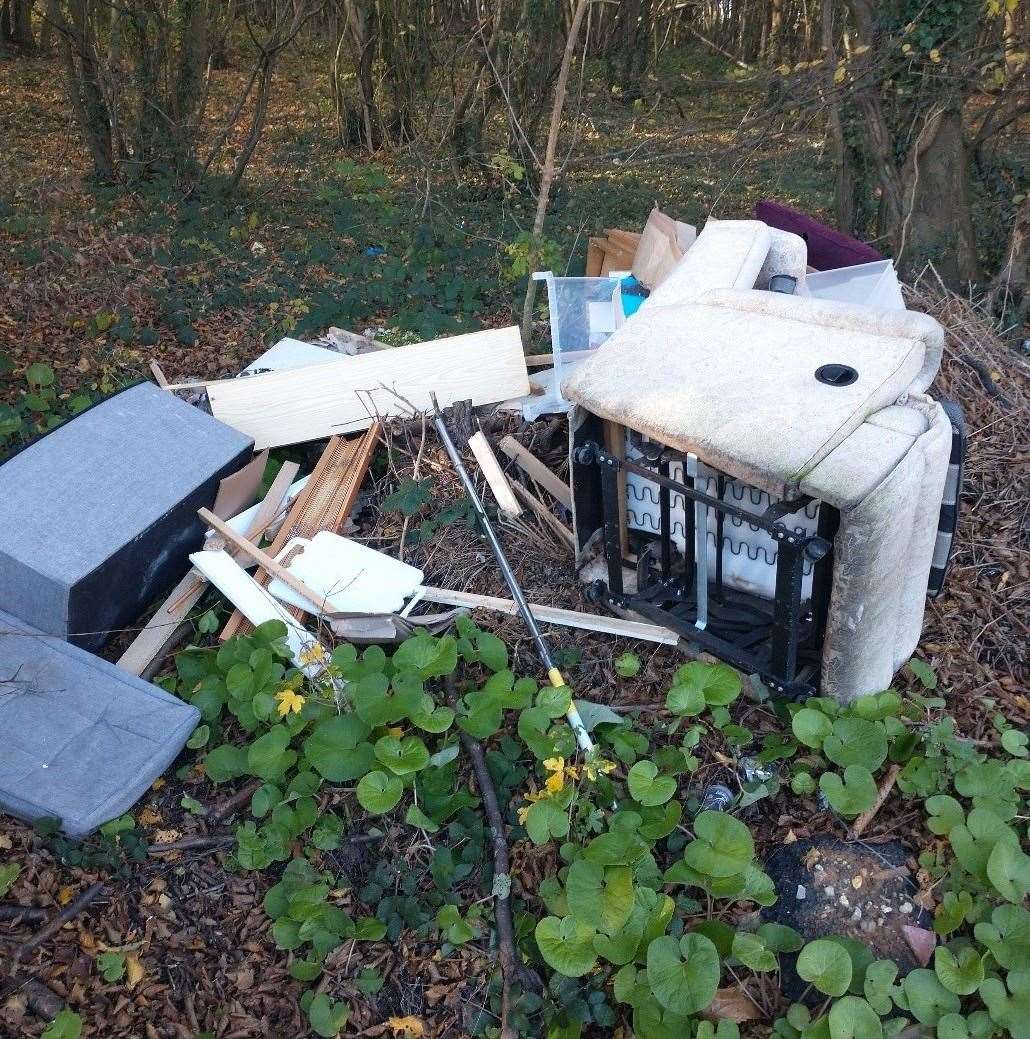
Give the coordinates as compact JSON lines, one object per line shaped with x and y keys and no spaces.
{"x":82,"y":739}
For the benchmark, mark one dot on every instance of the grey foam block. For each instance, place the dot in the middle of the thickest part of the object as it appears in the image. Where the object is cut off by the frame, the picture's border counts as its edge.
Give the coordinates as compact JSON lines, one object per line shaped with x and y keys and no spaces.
{"x":97,"y":518}
{"x":83,"y":740}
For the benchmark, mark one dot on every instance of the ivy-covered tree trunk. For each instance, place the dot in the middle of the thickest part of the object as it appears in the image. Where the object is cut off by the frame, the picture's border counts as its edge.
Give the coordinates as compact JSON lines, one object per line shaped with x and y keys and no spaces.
{"x":937,"y":222}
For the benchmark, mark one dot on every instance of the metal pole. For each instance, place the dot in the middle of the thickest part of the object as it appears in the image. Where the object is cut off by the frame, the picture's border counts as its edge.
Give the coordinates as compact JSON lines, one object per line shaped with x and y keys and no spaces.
{"x":553,"y":674}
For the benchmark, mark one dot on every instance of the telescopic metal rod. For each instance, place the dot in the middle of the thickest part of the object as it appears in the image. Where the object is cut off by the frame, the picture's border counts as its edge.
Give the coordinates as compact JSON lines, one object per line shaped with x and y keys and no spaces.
{"x":544,"y":650}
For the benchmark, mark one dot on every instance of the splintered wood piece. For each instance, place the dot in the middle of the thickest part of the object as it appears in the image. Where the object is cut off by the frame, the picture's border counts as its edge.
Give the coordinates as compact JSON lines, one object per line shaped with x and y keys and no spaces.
{"x":290,"y":407}
{"x":533,"y":467}
{"x":494,"y":475}
{"x":324,"y":504}
{"x":552,"y":615}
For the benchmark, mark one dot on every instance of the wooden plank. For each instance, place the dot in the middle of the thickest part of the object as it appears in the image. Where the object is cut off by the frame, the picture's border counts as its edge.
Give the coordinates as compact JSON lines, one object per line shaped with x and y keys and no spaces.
{"x":552,"y":615}
{"x":494,"y":475}
{"x":291,"y":407}
{"x":324,"y":504}
{"x":559,"y":528}
{"x":533,"y":467}
{"x":615,"y":445}
{"x":186,"y":594}
{"x":159,"y":375}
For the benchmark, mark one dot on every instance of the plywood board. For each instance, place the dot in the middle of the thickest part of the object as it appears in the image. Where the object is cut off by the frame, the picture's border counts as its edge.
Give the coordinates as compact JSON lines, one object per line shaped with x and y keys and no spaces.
{"x":291,"y":407}
{"x":552,"y":615}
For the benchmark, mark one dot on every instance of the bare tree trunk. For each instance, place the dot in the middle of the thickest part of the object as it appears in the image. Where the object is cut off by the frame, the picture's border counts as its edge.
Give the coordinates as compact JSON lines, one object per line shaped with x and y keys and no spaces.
{"x":844,"y":174}
{"x":938,"y":222}
{"x":81,"y":63}
{"x":1010,"y":289}
{"x":21,"y":25}
{"x":547,"y":170}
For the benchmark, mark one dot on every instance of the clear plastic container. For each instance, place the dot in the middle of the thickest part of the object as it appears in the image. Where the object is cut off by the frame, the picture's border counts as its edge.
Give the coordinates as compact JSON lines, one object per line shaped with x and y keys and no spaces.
{"x":583,"y":315}
{"x":871,"y":284}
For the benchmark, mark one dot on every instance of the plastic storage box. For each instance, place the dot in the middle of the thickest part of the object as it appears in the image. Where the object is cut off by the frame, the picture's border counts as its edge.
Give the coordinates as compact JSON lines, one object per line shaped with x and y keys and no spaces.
{"x":583,"y":315}
{"x":871,"y":284}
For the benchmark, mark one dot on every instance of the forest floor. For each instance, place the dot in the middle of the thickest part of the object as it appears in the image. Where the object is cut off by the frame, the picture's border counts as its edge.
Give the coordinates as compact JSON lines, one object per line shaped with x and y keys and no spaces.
{"x":96,"y":284}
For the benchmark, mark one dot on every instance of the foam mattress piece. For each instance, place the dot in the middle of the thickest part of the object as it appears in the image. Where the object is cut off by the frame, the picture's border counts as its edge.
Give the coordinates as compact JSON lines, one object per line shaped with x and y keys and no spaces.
{"x":98,"y":516}
{"x":83,"y":740}
{"x":727,"y":377}
{"x":726,"y":254}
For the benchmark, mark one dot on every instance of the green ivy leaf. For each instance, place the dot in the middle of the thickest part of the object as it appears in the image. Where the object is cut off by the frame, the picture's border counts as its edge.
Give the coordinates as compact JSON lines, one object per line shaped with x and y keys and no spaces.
{"x":853,"y":1018}
{"x":378,"y":792}
{"x":326,"y":1017}
{"x":719,"y":684}
{"x":826,"y":965}
{"x":960,"y":973}
{"x":945,"y":813}
{"x":752,"y":951}
{"x":647,"y":787}
{"x":225,"y":762}
{"x":878,"y":985}
{"x":615,"y":848}
{"x":39,"y":375}
{"x":780,"y":938}
{"x":402,"y":756}
{"x":1015,"y":742}
{"x":855,"y":741}
{"x":9,"y":873}
{"x":337,"y":750}
{"x":67,"y":1025}
{"x":1008,"y":869}
{"x":723,"y":846}
{"x":811,"y":727}
{"x":566,"y":945}
{"x":430,"y":656}
{"x":600,"y":896}
{"x":684,"y":974}
{"x":928,"y":1000}
{"x":112,"y":966}
{"x":853,"y":794}
{"x":545,"y":820}
{"x":493,"y":653}
{"x":923,"y":672}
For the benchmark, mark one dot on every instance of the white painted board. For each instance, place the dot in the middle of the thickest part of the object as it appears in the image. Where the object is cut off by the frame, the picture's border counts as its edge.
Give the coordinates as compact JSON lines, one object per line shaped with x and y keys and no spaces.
{"x":348,"y":577}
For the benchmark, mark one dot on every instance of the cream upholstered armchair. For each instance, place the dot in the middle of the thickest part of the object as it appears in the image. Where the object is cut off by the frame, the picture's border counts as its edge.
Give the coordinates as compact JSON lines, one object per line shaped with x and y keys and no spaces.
{"x":780,"y":475}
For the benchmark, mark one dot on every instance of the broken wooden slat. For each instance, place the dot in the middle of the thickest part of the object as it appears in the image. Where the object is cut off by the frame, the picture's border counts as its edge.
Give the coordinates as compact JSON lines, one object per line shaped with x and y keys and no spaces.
{"x":552,"y":615}
{"x":291,"y":407}
{"x":185,"y":595}
{"x":533,"y":467}
{"x":159,"y":375}
{"x":263,"y":559}
{"x":494,"y":476}
{"x":324,"y":504}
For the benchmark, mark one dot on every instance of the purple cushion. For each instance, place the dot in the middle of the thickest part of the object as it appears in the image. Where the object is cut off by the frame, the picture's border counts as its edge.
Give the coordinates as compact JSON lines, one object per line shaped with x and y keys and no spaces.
{"x":827,"y":249}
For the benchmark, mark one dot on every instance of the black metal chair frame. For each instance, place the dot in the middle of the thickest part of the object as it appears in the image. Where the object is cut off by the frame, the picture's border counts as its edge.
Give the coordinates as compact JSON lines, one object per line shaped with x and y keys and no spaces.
{"x":781,"y":640}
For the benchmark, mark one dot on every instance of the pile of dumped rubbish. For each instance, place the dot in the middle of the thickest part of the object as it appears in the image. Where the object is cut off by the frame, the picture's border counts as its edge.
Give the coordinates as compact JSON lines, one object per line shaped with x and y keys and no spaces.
{"x":755,"y":469}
